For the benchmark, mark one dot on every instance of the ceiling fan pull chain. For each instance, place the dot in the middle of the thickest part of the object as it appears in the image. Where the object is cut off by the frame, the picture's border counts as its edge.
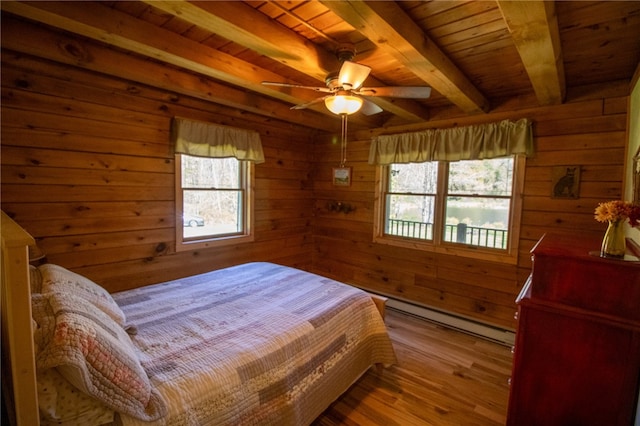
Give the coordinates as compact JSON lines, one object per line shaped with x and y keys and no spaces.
{"x":343,"y":146}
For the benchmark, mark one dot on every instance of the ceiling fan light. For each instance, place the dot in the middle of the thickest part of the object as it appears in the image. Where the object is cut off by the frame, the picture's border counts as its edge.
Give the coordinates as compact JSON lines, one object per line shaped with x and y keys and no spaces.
{"x":343,"y":104}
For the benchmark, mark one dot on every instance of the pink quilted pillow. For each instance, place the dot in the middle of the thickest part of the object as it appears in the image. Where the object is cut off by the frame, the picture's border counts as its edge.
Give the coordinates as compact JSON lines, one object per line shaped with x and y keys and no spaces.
{"x":94,"y":353}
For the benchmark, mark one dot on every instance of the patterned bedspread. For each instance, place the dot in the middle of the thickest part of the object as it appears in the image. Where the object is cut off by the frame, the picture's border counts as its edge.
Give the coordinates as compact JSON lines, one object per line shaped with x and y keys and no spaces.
{"x":253,"y":344}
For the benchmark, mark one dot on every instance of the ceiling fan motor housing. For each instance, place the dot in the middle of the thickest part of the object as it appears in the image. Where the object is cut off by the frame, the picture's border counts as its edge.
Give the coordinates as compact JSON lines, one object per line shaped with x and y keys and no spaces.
{"x":332,"y":81}
{"x":345,"y":52}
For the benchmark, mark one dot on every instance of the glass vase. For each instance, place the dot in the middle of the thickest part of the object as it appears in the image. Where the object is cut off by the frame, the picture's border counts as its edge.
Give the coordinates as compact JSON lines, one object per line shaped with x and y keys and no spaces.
{"x":614,"y":242}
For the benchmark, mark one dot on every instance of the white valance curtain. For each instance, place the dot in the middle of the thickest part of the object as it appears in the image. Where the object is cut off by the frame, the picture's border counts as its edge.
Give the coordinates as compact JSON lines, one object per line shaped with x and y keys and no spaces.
{"x":479,"y":142}
{"x":212,"y":140}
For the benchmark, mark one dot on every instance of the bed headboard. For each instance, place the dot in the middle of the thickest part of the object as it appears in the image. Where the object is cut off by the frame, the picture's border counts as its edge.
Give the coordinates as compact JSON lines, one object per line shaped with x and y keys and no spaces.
{"x":18,"y":359}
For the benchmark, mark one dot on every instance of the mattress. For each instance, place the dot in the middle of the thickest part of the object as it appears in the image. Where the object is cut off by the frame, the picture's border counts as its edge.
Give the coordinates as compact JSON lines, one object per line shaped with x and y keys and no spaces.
{"x":257,"y":343}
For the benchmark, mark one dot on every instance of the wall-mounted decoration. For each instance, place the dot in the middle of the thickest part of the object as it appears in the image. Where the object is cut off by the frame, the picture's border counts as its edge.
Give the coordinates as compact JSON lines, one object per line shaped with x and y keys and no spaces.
{"x":340,"y":207}
{"x":342,"y":176}
{"x":565,"y":182}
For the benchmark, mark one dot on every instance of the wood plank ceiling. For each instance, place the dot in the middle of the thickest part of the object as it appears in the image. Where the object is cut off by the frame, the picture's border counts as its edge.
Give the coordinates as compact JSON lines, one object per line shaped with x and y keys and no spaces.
{"x":475,"y":55}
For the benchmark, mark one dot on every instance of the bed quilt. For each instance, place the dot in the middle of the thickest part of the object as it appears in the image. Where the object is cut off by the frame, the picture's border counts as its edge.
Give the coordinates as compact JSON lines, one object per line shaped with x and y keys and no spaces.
{"x":253,"y":344}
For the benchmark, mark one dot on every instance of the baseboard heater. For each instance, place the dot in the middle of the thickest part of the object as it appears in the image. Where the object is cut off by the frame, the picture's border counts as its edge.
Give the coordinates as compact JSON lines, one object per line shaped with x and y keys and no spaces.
{"x":505,"y":337}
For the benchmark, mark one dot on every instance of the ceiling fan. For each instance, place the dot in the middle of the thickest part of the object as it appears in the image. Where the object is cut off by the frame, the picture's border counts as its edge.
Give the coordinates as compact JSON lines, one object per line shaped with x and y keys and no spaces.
{"x":345,"y":91}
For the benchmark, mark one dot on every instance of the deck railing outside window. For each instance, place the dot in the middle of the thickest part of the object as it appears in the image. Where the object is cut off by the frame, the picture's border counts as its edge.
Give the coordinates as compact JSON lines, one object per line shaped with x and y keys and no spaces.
{"x":460,"y":233}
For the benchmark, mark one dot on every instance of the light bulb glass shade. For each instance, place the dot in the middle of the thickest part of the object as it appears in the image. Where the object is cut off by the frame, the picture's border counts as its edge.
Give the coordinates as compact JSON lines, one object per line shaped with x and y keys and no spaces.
{"x":343,"y":104}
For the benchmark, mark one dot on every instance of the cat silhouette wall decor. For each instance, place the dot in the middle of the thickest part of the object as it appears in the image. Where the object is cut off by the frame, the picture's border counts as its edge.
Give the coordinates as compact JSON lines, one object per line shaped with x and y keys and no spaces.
{"x":565,"y":182}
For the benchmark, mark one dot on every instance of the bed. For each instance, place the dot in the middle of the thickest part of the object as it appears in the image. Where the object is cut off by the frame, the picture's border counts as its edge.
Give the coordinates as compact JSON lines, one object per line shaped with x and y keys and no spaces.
{"x":257,"y":343}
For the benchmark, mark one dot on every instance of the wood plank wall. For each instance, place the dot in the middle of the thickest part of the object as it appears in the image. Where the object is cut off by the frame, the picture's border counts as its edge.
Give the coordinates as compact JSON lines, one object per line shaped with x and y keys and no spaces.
{"x":587,"y":131}
{"x":88,"y":170}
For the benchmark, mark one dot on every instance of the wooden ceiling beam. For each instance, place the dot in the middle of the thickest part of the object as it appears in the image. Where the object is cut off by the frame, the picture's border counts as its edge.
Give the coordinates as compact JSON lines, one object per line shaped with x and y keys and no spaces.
{"x":389,"y":27}
{"x":534,"y":29}
{"x":115,"y":28}
{"x":107,"y":25}
{"x":45,"y":43}
{"x":249,"y":28}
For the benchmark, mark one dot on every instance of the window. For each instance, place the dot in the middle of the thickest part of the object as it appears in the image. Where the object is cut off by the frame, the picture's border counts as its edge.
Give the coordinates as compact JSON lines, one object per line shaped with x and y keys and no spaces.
{"x":411,"y":200}
{"x":213,"y":201}
{"x":214,"y":183}
{"x":469,"y":208}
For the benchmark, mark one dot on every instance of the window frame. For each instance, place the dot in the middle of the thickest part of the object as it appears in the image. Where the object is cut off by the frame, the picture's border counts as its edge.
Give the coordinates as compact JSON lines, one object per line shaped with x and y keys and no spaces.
{"x":438,"y":245}
{"x":195,"y":243}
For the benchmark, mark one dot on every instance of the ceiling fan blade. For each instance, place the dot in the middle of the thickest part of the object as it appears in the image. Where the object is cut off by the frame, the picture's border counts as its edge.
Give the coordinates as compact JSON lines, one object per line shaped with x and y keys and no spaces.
{"x":352,"y":75}
{"x":415,"y":92}
{"x":297,"y":86}
{"x":369,"y":108}
{"x":308,"y":104}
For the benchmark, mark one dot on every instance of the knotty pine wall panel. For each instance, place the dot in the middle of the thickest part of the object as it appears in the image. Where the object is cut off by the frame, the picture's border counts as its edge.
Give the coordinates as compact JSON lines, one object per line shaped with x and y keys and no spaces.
{"x":588,"y":131}
{"x":88,"y":170}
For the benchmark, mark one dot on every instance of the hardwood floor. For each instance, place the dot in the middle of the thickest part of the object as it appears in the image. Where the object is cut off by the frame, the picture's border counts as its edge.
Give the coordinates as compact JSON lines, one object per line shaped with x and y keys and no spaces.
{"x":443,"y":377}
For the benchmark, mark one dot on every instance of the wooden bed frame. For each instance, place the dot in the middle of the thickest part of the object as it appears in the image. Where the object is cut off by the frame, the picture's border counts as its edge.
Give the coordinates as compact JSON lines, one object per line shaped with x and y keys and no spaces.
{"x":19,"y":389}
{"x":18,"y":359}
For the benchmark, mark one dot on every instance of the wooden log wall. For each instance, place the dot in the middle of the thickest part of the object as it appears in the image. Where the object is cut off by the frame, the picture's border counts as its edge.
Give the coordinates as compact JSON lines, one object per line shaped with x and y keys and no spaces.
{"x":88,"y":170}
{"x":588,"y":131}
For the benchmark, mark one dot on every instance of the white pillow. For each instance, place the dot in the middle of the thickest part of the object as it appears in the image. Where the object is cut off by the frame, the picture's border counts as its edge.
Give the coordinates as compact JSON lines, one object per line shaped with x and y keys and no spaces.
{"x":61,"y":403}
{"x":56,"y":279}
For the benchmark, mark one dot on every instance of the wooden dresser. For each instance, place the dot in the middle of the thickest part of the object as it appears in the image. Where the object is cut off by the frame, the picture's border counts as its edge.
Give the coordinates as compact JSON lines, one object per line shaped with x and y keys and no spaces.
{"x":577,"y":352}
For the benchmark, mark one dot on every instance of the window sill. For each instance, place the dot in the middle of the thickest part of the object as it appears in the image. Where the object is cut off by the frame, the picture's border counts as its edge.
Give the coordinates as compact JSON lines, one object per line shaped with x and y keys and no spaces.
{"x":213,"y":242}
{"x":452,"y":249}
